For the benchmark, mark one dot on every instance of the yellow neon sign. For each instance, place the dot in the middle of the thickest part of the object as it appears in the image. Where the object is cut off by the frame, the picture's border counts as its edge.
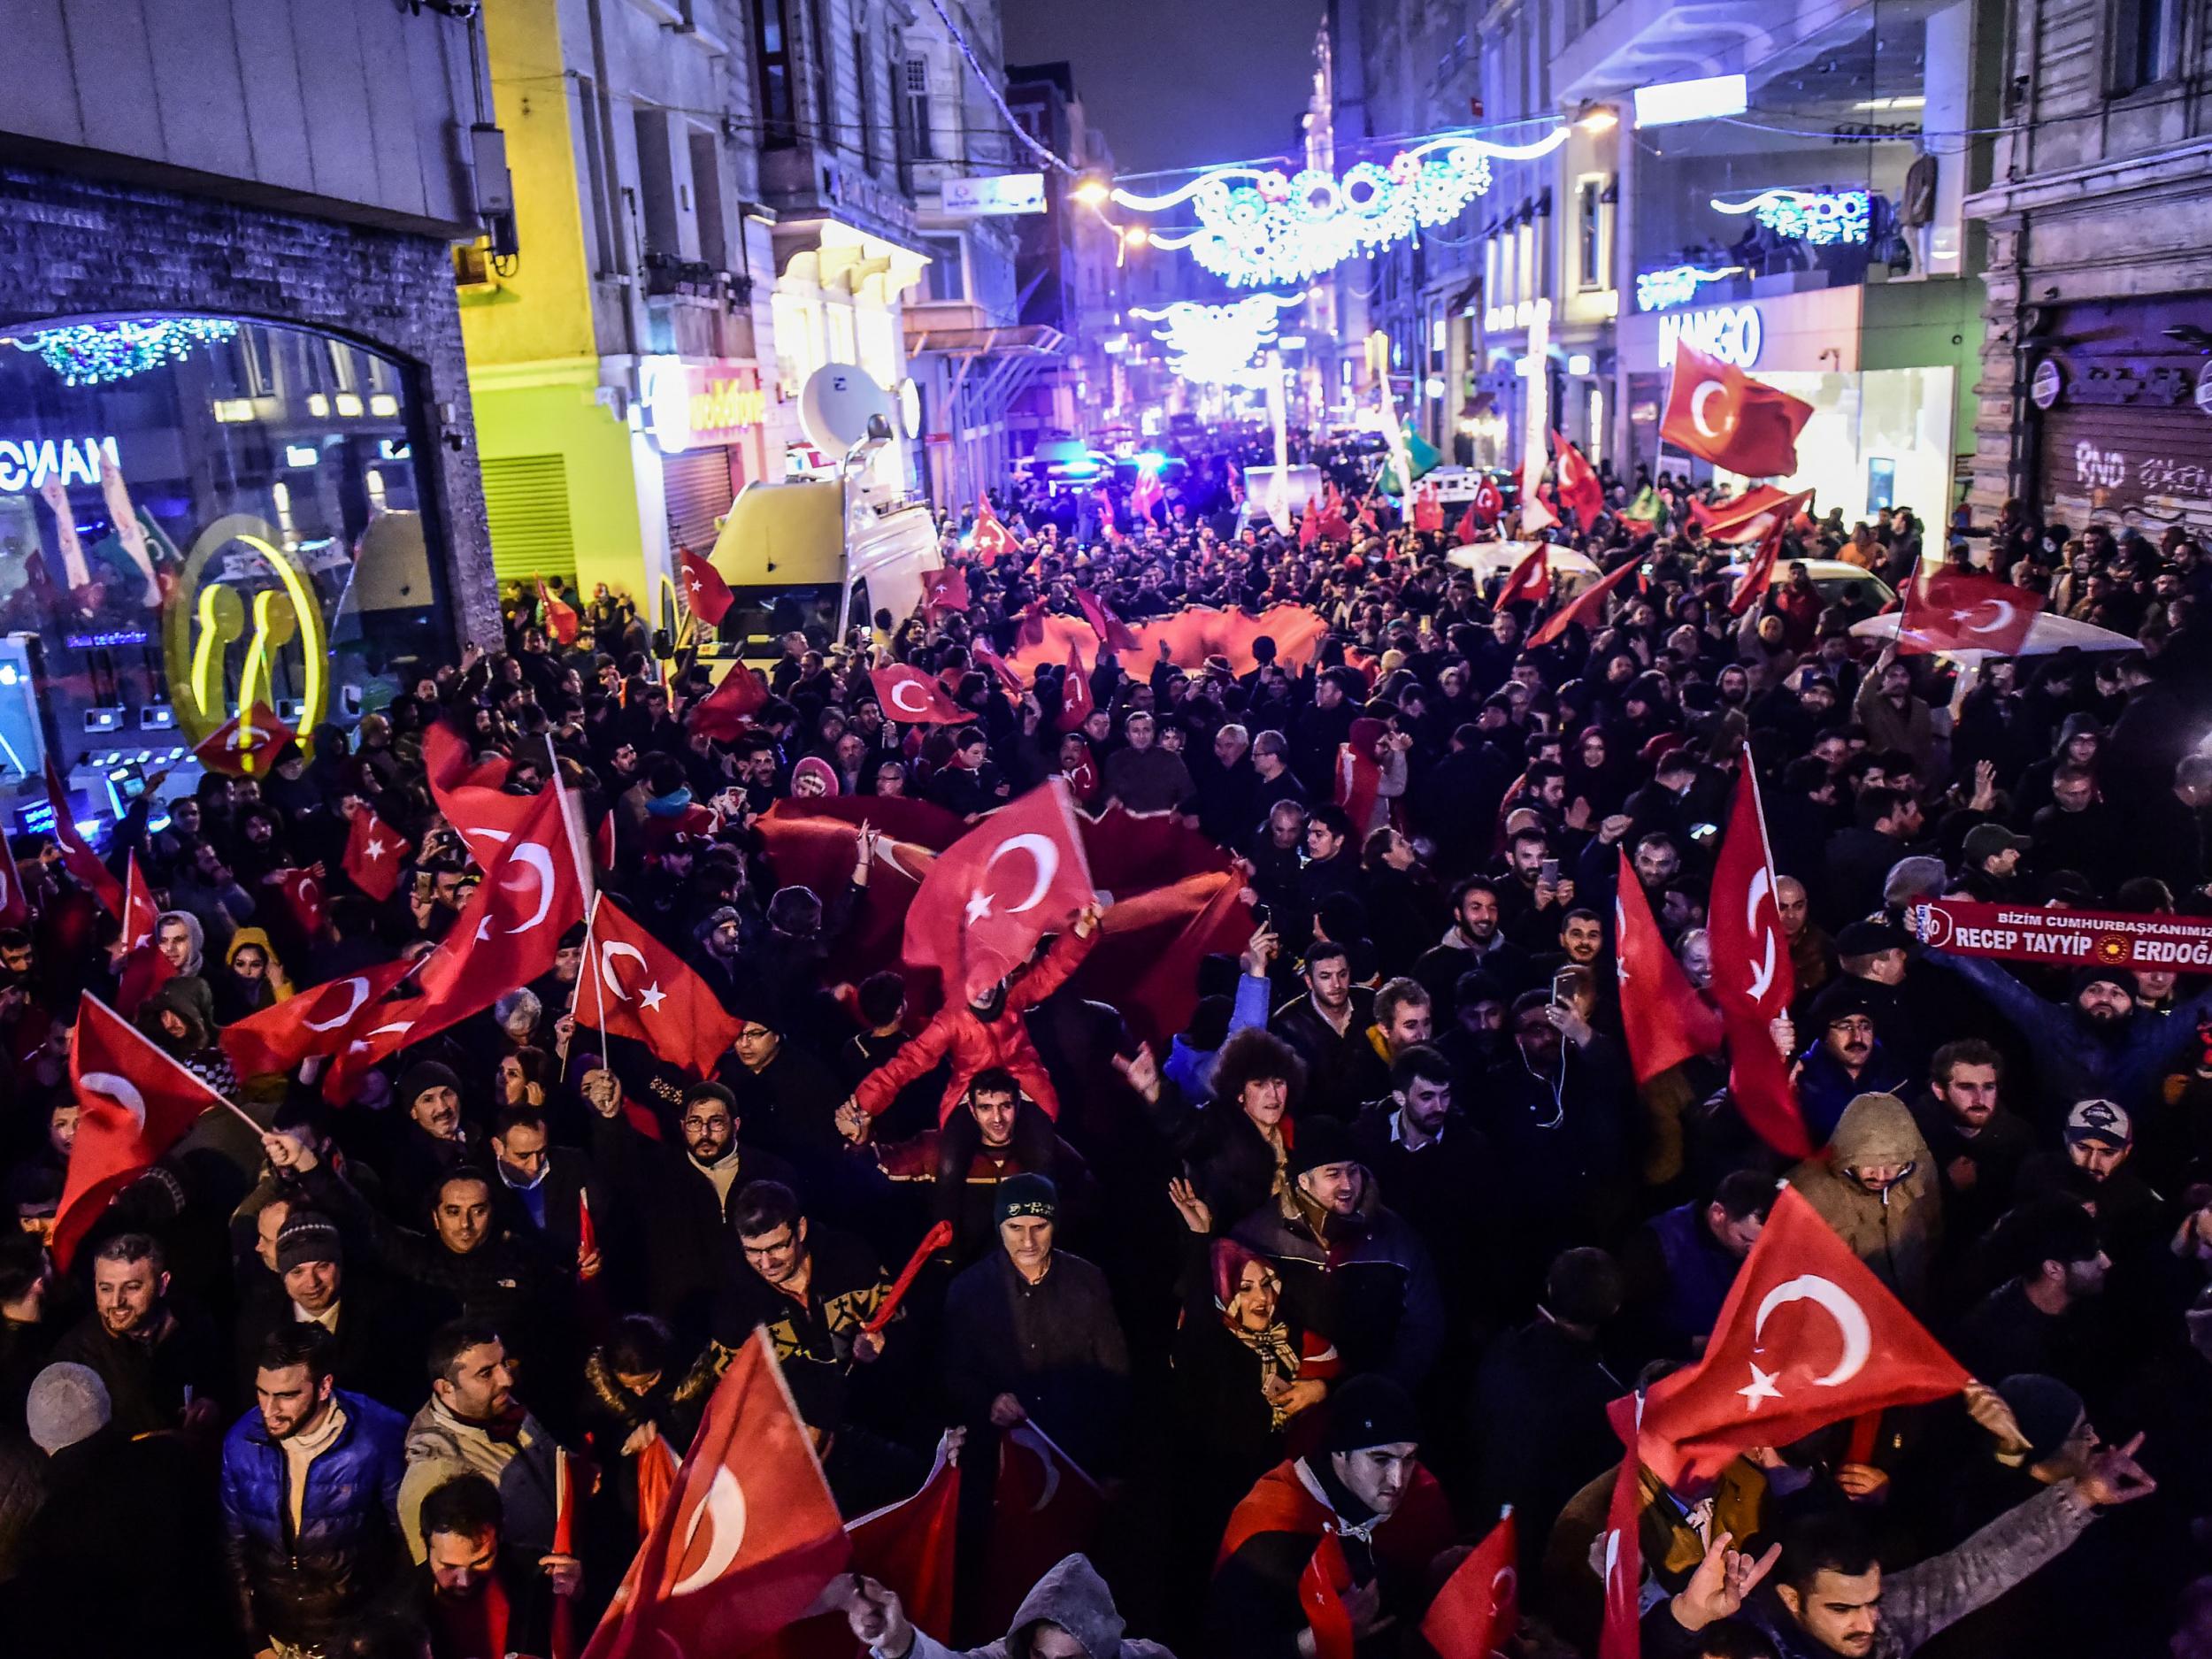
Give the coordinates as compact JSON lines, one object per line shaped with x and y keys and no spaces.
{"x":207,"y":618}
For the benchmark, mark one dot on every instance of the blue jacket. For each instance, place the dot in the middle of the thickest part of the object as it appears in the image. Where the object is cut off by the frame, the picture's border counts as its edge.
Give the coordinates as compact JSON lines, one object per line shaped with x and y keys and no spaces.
{"x":302,"y":1590}
{"x":1824,"y":1088}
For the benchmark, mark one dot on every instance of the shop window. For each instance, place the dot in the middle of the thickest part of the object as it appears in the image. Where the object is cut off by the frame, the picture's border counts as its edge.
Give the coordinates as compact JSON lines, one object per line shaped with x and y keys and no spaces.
{"x":1590,"y":232}
{"x":2146,"y":43}
{"x":194,"y":516}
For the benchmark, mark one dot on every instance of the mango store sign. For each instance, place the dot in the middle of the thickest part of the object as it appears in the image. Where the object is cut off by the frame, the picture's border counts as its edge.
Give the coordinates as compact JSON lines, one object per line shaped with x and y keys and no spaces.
{"x":1735,"y":333}
{"x":691,"y":404}
{"x":27,"y":462}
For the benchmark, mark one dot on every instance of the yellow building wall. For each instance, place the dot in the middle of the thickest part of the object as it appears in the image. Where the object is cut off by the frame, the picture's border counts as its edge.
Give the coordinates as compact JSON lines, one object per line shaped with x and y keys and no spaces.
{"x":518,"y":415}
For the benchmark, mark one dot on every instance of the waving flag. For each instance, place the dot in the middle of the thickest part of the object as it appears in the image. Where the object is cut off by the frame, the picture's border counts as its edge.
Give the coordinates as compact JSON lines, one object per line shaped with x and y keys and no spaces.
{"x":1580,"y":491}
{"x":945,"y":588}
{"x":991,"y":895}
{"x":317,"y":1021}
{"x":1113,"y":632}
{"x":1959,"y":611}
{"x":706,"y":594}
{"x":1666,"y":1020}
{"x":1478,"y":1612}
{"x":470,"y":796}
{"x":991,"y":538}
{"x":1758,"y":576}
{"x":633,"y":985}
{"x":1530,"y":580}
{"x":145,"y":969}
{"x":729,"y":707}
{"x":1584,"y":607}
{"x":912,"y":698}
{"x":374,"y":855}
{"x":1076,"y":701}
{"x":1752,"y":980}
{"x":246,"y":745}
{"x":1718,"y":412}
{"x":560,"y":618}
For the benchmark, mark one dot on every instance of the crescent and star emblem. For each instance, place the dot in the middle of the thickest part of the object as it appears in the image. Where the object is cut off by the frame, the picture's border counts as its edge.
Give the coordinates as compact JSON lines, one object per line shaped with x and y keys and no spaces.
{"x":357,"y":993}
{"x":535,"y":855}
{"x":120,"y":1090}
{"x":1705,"y":389}
{"x":1762,"y":973}
{"x":899,"y":701}
{"x":1043,"y":853}
{"x":652,"y":997}
{"x":1851,"y":1324}
{"x":723,"y":1511}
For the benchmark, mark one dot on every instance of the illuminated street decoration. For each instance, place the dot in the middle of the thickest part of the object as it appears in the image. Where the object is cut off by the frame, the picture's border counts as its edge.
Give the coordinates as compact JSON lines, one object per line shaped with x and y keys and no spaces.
{"x":94,"y":354}
{"x":1214,"y":345}
{"x":1261,"y":225}
{"x":1677,"y":285}
{"x":1819,"y":216}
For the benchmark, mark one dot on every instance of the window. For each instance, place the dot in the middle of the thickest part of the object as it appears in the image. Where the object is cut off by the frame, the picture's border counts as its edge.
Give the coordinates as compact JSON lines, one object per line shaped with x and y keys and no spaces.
{"x":863,"y":72}
{"x":920,"y":144}
{"x":772,"y":61}
{"x":825,"y":78}
{"x":656,"y":184}
{"x":945,"y":280}
{"x":1590,"y":230}
{"x":2146,"y":43}
{"x":706,"y":185}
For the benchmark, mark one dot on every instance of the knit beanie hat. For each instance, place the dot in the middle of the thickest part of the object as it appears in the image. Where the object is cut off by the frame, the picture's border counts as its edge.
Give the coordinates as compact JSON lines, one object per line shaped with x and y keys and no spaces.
{"x":1026,"y":1194}
{"x":67,"y":1403}
{"x":2044,"y":1409}
{"x":308,"y":1237}
{"x":422,"y":1076}
{"x":1317,"y":1139}
{"x":1370,"y":1411}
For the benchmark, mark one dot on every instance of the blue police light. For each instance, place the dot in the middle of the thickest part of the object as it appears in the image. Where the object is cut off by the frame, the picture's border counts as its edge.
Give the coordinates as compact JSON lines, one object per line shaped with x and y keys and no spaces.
{"x":1151,"y":460}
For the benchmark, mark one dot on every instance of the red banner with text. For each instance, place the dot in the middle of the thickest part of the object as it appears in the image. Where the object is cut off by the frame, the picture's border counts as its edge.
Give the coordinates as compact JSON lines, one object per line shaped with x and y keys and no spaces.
{"x":2081,"y":939}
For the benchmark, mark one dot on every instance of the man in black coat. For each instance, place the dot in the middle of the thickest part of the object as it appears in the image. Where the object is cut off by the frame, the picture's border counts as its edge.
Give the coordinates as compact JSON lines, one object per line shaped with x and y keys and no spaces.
{"x":160,"y":1362}
{"x":1327,"y":1025}
{"x":376,"y":1338}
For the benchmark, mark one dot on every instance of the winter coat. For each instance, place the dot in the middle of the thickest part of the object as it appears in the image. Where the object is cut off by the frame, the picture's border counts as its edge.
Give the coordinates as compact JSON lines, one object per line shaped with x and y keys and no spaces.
{"x":1371,"y":1288}
{"x":1896,"y":1231}
{"x":301,"y":1587}
{"x":440,"y":1446}
{"x":1056,"y":1345}
{"x":973,"y":1043}
{"x":1071,"y":1596}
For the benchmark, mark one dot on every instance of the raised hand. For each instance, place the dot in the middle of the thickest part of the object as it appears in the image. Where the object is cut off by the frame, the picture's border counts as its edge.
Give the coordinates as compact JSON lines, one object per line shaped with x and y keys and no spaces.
{"x":1717,"y":1590}
{"x":2114,"y":1476}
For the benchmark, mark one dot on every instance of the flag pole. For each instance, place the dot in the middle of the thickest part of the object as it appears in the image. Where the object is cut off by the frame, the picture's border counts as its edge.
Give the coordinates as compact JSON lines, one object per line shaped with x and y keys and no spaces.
{"x":576,"y":991}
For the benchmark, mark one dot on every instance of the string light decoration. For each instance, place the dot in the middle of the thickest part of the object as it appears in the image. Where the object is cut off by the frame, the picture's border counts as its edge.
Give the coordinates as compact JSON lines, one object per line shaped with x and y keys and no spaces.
{"x":1677,"y":284}
{"x":1818,"y":217}
{"x":1259,"y":224}
{"x":96,"y":353}
{"x":1214,"y":345}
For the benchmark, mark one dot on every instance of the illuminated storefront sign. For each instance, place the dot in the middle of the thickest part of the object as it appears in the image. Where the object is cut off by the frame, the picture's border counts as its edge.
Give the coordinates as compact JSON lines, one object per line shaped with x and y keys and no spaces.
{"x":27,"y":462}
{"x":1006,"y":193}
{"x":1735,"y":333}
{"x":691,"y":405}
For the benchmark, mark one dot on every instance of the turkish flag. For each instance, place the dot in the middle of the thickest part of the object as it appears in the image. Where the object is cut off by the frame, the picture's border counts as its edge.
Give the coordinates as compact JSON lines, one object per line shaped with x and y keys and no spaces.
{"x":1463,"y":532}
{"x":245,"y":745}
{"x":136,"y":1103}
{"x":991,"y":538}
{"x":1716,"y":411}
{"x":1428,"y":512}
{"x":1076,"y":700}
{"x":1489,"y":503}
{"x":1667,"y":1021}
{"x":1808,"y":1336}
{"x":1750,"y":515}
{"x":998,"y":665}
{"x":472,"y":796}
{"x":706,"y":594}
{"x":559,"y":617}
{"x":1758,"y":576}
{"x":729,"y":707}
{"x":1145,"y":494}
{"x":304,"y":894}
{"x":1959,"y":611}
{"x":1113,"y":632}
{"x":633,"y":985}
{"x":1043,"y":1507}
{"x":1621,"y":1572}
{"x":1585,"y":606}
{"x":913,"y":698}
{"x":1530,"y":579}
{"x":271,"y":1042}
{"x":1478,"y":1612}
{"x":990,"y":896}
{"x":1752,"y":980}
{"x":375,"y":853}
{"x":145,"y":969}
{"x":1310,"y":525}
{"x":907,"y":1548}
{"x":1580,"y":491}
{"x":748,"y":1537}
{"x":77,"y":855}
{"x":946,"y":590}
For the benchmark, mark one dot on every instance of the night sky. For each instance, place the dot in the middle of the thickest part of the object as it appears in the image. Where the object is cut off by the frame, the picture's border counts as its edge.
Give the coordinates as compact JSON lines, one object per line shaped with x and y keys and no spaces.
{"x":1174,"y":83}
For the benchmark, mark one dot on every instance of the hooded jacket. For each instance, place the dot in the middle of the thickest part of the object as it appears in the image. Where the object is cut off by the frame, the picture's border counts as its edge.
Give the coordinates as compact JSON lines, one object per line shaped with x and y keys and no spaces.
{"x":1894,"y":1232}
{"x":1071,"y":1596}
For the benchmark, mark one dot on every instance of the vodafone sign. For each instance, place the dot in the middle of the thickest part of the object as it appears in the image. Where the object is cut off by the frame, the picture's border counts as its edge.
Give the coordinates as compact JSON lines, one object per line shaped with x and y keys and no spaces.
{"x":691,"y":403}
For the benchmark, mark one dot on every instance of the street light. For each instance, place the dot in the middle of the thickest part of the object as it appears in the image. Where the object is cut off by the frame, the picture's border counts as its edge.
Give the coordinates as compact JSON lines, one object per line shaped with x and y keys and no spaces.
{"x":1135,"y":235}
{"x":1091,"y":192}
{"x":1597,"y":118}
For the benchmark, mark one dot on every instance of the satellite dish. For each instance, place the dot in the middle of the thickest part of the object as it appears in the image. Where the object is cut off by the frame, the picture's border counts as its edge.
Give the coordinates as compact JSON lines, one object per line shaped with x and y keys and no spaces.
{"x":837,"y":403}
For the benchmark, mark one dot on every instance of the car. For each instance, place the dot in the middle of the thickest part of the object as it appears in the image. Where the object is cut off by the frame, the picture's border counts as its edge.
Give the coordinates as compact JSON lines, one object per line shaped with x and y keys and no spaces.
{"x":1838,"y":580}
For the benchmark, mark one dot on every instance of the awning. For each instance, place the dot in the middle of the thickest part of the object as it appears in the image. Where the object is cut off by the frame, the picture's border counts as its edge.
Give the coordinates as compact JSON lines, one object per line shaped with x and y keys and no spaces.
{"x":1018,"y":340}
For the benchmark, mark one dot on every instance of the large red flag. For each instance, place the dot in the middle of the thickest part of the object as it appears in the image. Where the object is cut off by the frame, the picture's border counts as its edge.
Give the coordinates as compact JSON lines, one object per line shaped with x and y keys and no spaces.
{"x":1584,"y":607}
{"x":1667,"y":1021}
{"x":1488,"y":504}
{"x":729,"y":707}
{"x":315,"y":1022}
{"x":1464,"y":531}
{"x":1758,"y":576}
{"x":145,"y":969}
{"x":1428,"y":511}
{"x":1806,"y":1337}
{"x":1752,"y":980}
{"x":136,"y":1104}
{"x":374,"y":855}
{"x":1530,"y":580}
{"x":472,"y":796}
{"x":991,"y":538}
{"x":945,"y":589}
{"x":989,"y":897}
{"x":245,"y":745}
{"x":1716,"y":411}
{"x":303,"y":892}
{"x":1621,"y":1572}
{"x":1112,"y":632}
{"x":1042,"y":1508}
{"x":810,"y":844}
{"x":77,"y":855}
{"x":507,"y":934}
{"x":1748,"y":516}
{"x":1478,"y":1612}
{"x":1580,"y":491}
{"x":1076,"y":701}
{"x":749,"y":1538}
{"x":706,"y":594}
{"x":913,"y":698}
{"x":559,"y":616}
{"x":908,"y":1549}
{"x":1961,"y":611}
{"x":661,"y":1001}
{"x":1145,"y":494}
{"x":998,"y":665}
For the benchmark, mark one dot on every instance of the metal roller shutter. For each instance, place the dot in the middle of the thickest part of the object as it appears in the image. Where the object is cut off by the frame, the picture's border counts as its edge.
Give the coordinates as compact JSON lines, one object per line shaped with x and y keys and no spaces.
{"x":2156,"y":461}
{"x":697,"y":486}
{"x":525,"y":500}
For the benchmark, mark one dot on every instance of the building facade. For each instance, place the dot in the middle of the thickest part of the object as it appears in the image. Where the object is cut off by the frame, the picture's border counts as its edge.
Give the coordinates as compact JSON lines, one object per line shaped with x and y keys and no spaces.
{"x":237,"y":458}
{"x":2096,"y":359}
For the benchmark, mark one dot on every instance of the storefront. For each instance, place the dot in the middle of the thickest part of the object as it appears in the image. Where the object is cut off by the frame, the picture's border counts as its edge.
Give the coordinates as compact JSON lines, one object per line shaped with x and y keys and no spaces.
{"x":199,"y":513}
{"x":1883,"y":365}
{"x":703,"y":421}
{"x":838,"y":298}
{"x":2120,"y":393}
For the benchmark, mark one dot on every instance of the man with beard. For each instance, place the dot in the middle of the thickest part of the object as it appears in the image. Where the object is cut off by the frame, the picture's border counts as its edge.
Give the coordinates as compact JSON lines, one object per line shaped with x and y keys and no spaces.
{"x":310,"y":1487}
{"x":1977,"y":1144}
{"x":1359,"y":1513}
{"x":1326,"y":1026}
{"x":162,"y":1366}
{"x":480,"y":1596}
{"x":472,"y":1424}
{"x":2100,"y":1045}
{"x":1847,"y":1059}
{"x":677,"y":1200}
{"x":1352,"y":1270}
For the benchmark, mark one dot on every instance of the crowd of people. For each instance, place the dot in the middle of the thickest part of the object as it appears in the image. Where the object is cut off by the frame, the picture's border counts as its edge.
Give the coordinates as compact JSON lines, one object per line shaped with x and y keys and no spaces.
{"x":1363,"y":1252}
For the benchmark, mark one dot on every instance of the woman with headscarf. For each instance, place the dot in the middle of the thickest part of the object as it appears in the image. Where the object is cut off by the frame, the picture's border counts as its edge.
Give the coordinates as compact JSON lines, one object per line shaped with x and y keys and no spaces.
{"x":252,"y":977}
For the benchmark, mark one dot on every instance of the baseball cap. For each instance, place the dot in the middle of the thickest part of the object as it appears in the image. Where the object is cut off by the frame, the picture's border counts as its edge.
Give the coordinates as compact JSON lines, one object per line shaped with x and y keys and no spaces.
{"x":1986,"y":840}
{"x":2100,"y":1120}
